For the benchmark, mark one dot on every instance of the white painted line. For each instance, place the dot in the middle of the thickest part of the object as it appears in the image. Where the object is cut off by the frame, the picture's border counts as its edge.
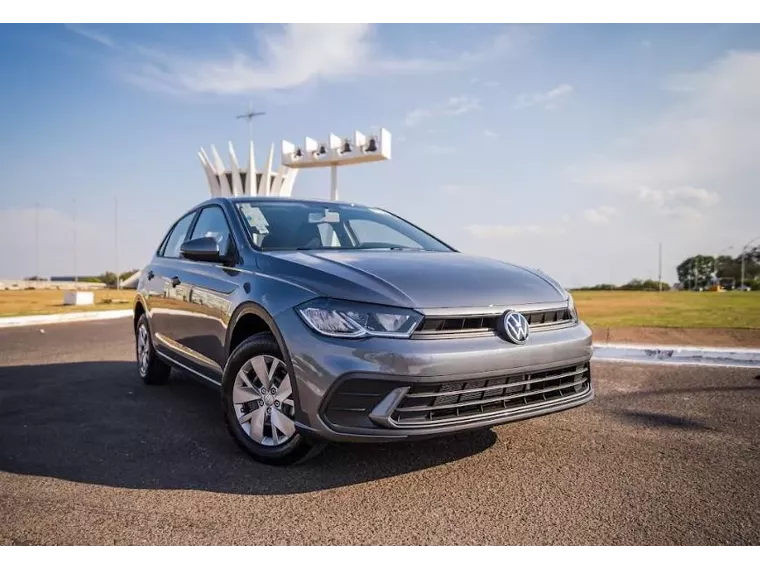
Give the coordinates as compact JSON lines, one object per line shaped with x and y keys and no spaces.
{"x":37,"y":319}
{"x":705,"y":363}
{"x":679,"y":348}
{"x":691,"y":355}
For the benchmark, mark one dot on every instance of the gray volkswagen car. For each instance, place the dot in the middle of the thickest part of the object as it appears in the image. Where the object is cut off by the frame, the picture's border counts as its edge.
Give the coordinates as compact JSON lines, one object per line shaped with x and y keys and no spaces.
{"x":329,"y":321}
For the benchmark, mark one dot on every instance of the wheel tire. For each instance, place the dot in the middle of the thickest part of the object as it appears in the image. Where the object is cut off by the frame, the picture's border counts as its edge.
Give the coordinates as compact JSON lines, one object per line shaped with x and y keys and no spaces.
{"x":298,"y":448}
{"x":156,"y":372}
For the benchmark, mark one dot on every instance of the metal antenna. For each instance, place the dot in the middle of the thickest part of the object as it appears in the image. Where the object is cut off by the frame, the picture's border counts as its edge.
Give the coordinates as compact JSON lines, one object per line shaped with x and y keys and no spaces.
{"x":74,"y":233}
{"x":249,"y":117}
{"x":37,"y":245}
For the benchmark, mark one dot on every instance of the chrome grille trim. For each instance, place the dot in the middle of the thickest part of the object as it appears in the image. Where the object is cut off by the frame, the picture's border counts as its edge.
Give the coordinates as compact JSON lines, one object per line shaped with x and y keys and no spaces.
{"x":454,"y":402}
{"x":492,"y":387}
{"x":456,"y":325}
{"x":470,"y":403}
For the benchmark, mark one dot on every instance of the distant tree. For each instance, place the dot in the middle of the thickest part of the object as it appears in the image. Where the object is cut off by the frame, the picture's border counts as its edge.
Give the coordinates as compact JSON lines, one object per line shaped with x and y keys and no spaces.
{"x":635,"y":284}
{"x":108,"y":278}
{"x":751,"y":264}
{"x":649,"y":284}
{"x":696,"y":272}
{"x":728,"y":267}
{"x":125,"y":275}
{"x":700,"y":270}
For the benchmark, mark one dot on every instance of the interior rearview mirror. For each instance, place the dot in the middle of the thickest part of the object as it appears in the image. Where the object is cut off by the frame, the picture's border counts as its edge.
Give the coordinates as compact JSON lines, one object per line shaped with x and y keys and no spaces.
{"x":324,"y":217}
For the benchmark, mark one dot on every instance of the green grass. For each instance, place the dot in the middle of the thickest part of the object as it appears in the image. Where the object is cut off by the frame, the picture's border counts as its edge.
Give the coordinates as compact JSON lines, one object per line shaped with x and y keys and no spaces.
{"x":25,"y":302}
{"x":607,"y":309}
{"x":681,"y":309}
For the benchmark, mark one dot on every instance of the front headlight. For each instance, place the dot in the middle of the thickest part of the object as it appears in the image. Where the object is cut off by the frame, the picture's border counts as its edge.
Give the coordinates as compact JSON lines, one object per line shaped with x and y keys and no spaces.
{"x":345,"y":319}
{"x":571,"y":307}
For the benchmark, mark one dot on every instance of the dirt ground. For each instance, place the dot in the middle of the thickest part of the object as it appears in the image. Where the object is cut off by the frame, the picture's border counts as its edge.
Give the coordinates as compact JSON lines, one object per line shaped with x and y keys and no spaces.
{"x":716,"y":337}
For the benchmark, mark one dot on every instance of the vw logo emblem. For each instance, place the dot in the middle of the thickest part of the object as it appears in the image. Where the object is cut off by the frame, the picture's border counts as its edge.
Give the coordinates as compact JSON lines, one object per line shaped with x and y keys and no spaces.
{"x":515,"y":327}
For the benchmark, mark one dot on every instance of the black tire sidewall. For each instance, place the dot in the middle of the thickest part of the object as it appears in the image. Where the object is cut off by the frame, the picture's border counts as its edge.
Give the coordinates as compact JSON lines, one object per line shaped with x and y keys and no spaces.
{"x":296,"y":448}
{"x":143,"y":321}
{"x":158,"y":371}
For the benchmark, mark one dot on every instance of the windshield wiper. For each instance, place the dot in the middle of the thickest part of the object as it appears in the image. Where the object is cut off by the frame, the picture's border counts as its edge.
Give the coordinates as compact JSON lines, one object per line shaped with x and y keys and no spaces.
{"x":393,"y":248}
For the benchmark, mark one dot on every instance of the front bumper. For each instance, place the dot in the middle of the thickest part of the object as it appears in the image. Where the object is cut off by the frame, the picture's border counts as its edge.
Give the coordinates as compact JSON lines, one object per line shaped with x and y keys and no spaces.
{"x":387,"y":370}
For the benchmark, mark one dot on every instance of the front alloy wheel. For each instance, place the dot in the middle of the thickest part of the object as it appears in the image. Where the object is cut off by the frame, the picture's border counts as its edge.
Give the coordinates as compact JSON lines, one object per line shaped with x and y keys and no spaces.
{"x":259,"y":403}
{"x":263,"y":401}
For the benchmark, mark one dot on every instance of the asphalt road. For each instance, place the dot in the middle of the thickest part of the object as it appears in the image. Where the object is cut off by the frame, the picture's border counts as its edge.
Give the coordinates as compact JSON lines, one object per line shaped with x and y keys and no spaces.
{"x":89,"y":455}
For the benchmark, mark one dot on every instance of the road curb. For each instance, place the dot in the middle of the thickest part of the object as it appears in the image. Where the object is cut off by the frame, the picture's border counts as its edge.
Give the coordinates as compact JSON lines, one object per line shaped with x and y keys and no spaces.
{"x":685,"y":355}
{"x":37,"y":319}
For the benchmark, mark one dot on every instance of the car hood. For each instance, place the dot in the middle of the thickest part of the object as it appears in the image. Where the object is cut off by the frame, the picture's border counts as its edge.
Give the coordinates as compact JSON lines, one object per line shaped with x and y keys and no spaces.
{"x":413,"y":279}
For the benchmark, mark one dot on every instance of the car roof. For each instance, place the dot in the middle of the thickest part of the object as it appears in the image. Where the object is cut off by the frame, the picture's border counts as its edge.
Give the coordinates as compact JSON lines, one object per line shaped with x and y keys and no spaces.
{"x":325,"y":203}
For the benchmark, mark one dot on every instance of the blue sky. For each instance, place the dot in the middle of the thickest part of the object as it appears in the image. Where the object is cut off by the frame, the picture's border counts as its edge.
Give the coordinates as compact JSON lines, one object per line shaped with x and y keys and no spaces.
{"x":575,"y":149}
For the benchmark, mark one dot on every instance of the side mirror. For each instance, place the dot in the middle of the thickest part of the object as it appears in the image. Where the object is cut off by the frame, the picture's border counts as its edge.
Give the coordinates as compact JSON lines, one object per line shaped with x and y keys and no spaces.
{"x":202,"y":249}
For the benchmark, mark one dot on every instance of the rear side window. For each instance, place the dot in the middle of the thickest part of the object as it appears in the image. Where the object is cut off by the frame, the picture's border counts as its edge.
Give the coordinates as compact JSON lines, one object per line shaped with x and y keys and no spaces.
{"x":177,"y":237}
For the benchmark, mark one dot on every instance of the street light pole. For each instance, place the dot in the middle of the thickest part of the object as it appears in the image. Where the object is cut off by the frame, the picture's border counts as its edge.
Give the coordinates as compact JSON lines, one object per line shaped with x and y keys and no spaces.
{"x":74,"y":234}
{"x":116,"y":239}
{"x":659,"y":271}
{"x":744,"y":251}
{"x":36,"y":245}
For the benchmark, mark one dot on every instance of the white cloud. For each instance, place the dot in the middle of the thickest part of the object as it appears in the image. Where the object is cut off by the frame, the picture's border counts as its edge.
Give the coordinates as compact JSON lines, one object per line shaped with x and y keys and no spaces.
{"x":509,"y":231}
{"x":685,"y":202}
{"x":687,"y":176}
{"x":296,"y":54}
{"x":436,"y":149}
{"x":454,"y":106}
{"x":708,"y":138}
{"x":600,"y":215}
{"x":91,"y":34}
{"x":490,"y":133}
{"x":548,"y":100}
{"x":462,"y":190}
{"x":491,"y":83}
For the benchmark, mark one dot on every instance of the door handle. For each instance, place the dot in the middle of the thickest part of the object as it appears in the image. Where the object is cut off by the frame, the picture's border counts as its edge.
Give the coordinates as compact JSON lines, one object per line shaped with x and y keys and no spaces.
{"x":175,"y":281}
{"x":151,"y":275}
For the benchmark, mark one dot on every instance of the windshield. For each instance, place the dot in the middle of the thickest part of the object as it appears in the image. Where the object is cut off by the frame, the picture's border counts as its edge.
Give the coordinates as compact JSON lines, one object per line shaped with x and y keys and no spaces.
{"x":287,"y":226}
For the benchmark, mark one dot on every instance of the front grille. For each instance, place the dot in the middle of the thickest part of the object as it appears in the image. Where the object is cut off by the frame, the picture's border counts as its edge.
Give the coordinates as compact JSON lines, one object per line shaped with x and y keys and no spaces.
{"x":455,"y":325}
{"x":429,"y":404}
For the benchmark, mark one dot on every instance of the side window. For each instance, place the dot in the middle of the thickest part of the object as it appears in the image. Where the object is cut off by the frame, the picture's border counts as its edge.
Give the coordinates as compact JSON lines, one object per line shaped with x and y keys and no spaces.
{"x":368,"y":231}
{"x":177,"y":237}
{"x":212,"y":223}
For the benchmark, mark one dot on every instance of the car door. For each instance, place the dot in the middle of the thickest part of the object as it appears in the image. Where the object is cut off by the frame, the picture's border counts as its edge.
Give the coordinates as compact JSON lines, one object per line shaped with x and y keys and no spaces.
{"x":160,"y":285}
{"x":201,"y":325}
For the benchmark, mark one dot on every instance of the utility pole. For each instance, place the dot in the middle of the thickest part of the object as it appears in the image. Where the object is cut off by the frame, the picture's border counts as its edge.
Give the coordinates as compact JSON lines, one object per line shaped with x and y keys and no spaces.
{"x":116,"y":239}
{"x":74,"y":231}
{"x":36,"y":244}
{"x":659,"y":272}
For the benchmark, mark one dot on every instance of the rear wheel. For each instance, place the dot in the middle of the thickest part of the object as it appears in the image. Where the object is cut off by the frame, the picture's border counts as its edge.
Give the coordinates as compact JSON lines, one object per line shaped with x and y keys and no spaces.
{"x":151,"y":369}
{"x":259,"y":404}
